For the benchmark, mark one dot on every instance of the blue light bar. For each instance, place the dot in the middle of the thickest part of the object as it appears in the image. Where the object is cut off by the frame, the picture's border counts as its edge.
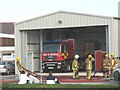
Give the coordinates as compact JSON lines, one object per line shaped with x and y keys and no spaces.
{"x":53,"y":41}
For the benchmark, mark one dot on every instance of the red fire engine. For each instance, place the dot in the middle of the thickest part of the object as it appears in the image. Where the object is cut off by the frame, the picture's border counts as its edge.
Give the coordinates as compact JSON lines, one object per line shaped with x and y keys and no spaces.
{"x":58,"y":55}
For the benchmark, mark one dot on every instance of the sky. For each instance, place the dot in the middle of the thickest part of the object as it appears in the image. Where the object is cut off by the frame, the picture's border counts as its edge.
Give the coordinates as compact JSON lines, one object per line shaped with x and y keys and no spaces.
{"x":20,"y":10}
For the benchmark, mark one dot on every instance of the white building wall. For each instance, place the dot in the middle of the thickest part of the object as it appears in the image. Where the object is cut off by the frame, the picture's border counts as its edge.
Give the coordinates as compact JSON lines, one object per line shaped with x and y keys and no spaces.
{"x":3,"y":35}
{"x":113,"y":42}
{"x":17,"y":46}
{"x":119,"y":28}
{"x":119,"y":37}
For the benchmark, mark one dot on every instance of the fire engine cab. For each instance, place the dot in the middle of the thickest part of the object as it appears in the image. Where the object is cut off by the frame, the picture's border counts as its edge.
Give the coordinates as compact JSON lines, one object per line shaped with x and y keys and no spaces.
{"x":58,"y":55}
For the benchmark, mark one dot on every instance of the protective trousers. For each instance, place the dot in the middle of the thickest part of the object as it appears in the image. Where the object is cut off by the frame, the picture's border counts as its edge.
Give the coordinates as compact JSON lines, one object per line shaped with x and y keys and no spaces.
{"x":89,"y":71}
{"x":75,"y":74}
{"x":106,"y":70}
{"x":112,"y":73}
{"x":113,"y":67}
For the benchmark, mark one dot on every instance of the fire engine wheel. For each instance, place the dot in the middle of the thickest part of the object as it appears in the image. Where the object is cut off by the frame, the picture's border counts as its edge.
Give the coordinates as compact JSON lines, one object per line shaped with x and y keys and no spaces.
{"x":68,"y":68}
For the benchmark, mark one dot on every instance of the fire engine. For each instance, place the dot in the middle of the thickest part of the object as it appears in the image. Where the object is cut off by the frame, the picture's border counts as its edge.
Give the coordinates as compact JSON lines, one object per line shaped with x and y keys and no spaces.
{"x":58,"y":55}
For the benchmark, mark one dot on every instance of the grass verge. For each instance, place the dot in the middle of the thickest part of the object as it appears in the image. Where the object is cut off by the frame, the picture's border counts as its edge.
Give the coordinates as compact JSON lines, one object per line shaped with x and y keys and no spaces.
{"x":8,"y":85}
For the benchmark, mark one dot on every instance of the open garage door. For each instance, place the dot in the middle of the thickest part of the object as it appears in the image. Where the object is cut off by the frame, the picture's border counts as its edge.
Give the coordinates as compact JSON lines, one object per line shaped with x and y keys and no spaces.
{"x":87,"y":39}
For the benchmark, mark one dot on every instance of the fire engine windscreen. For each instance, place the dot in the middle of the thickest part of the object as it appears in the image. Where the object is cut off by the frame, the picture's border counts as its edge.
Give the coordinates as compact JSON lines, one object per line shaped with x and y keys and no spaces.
{"x":51,"y":48}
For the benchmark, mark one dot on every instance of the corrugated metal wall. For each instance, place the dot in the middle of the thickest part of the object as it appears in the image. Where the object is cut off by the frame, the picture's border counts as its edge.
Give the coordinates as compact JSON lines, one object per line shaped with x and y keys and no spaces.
{"x":119,"y":37}
{"x":114,"y":36}
{"x":66,"y":20}
{"x":119,"y":28}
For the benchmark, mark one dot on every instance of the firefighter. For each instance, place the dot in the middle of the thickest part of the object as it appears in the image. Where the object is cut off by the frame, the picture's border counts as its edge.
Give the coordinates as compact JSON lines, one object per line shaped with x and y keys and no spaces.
{"x":88,"y":63}
{"x":113,"y":63}
{"x":18,"y":62}
{"x":75,"y":67}
{"x":17,"y":59}
{"x":106,"y":65}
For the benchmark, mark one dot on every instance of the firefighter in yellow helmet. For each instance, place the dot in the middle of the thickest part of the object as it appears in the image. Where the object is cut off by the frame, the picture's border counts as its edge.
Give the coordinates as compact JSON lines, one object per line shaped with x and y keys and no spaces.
{"x":113,"y":63}
{"x":19,"y":67}
{"x":17,"y":59}
{"x":75,"y":66}
{"x":106,"y":65}
{"x":88,"y":63}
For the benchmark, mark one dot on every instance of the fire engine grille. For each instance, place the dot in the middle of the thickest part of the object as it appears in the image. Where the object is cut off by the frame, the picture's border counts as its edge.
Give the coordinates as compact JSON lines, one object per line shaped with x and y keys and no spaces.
{"x":50,"y":57}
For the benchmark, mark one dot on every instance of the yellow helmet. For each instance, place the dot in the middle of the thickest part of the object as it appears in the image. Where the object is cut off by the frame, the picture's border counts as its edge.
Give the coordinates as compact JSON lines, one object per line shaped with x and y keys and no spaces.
{"x":89,"y":56}
{"x":112,"y":54}
{"x":17,"y":59}
{"x":106,"y":55}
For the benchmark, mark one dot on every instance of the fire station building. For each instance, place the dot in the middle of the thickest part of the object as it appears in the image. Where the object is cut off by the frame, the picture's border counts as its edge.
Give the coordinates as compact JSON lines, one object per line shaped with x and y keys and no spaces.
{"x":91,"y":33}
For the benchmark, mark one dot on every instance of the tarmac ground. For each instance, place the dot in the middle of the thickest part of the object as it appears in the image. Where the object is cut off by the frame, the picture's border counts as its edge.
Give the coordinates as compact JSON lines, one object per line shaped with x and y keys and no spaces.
{"x":65,"y":78}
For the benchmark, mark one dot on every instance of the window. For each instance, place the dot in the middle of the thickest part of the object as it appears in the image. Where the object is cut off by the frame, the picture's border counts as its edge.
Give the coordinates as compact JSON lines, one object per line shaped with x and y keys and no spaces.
{"x":51,"y":48}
